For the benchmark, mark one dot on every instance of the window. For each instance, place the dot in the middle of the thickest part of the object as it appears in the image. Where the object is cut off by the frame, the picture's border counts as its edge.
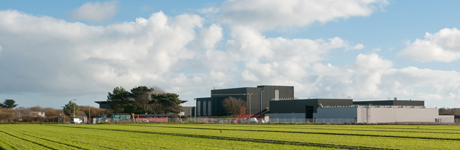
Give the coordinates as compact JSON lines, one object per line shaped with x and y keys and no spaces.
{"x":204,"y":108}
{"x":209,"y":108}
{"x":198,"y":110}
{"x":277,"y":94}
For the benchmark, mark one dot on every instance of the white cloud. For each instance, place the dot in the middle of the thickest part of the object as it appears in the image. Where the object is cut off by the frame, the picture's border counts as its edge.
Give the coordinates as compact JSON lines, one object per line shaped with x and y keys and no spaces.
{"x":0,"y":48}
{"x":372,"y":61}
{"x":429,"y":96}
{"x":268,"y":14}
{"x":442,"y":46}
{"x":95,"y":11}
{"x":358,"y":46}
{"x":249,"y":76}
{"x":211,"y":36}
{"x":60,"y":53}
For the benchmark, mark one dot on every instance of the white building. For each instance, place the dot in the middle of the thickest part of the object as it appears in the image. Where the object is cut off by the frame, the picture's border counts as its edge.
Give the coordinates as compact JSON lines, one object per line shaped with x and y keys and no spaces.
{"x":382,"y":114}
{"x":38,"y":114}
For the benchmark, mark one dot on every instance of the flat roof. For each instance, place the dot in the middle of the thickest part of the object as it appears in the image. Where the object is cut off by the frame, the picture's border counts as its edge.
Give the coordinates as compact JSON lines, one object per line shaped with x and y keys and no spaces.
{"x":152,"y":115}
{"x":253,"y":87}
{"x":387,"y":100}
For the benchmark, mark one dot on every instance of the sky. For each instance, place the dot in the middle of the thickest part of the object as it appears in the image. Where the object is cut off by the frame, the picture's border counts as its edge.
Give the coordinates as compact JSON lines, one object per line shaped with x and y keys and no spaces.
{"x":54,"y":51}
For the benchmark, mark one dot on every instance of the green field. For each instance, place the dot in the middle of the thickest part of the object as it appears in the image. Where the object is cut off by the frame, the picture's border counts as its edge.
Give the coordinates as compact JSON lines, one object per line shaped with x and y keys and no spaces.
{"x":227,"y":136}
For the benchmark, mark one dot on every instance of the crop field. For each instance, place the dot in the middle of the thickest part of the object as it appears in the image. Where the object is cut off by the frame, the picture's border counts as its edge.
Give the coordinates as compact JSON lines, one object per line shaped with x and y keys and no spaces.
{"x":227,"y":136}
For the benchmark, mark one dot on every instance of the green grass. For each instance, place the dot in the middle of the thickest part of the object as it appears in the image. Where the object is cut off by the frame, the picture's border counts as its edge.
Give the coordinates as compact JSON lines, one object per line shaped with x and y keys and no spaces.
{"x":233,"y":136}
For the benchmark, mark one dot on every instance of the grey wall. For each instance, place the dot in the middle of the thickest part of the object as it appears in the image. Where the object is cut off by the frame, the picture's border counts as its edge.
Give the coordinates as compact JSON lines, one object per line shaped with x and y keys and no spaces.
{"x":298,"y":106}
{"x":104,"y":105}
{"x":290,"y":106}
{"x":340,"y":112}
{"x":392,"y":102}
{"x":383,"y":114}
{"x":189,"y":111}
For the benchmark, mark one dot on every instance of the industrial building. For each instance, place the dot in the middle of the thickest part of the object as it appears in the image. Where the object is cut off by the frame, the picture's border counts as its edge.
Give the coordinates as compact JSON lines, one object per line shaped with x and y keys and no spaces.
{"x":382,"y":114}
{"x":391,"y":102}
{"x":257,"y":99}
{"x":302,"y":108}
{"x":189,"y":111}
{"x":347,"y":110}
{"x":277,"y":102}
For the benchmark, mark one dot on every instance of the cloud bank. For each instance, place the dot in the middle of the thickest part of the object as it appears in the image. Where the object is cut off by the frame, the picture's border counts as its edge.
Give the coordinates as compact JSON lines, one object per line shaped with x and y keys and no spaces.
{"x":182,"y":55}
{"x":443,"y":46}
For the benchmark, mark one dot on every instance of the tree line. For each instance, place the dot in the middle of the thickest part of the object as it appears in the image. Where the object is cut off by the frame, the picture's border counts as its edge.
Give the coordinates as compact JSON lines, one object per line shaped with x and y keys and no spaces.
{"x":143,"y":100}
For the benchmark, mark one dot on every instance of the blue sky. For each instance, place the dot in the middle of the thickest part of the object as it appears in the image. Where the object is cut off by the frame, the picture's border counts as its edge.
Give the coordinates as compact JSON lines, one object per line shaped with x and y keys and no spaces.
{"x":58,"y":51}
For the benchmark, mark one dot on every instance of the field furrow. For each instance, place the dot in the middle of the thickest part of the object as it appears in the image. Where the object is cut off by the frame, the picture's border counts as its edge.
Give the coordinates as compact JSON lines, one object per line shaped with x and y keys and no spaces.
{"x":227,"y":136}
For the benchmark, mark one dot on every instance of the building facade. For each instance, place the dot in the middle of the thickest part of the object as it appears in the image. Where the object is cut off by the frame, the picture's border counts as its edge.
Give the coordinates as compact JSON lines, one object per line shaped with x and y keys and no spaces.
{"x":383,"y":114}
{"x":302,"y":108}
{"x":189,"y":111}
{"x":257,"y":99}
{"x":395,"y":102}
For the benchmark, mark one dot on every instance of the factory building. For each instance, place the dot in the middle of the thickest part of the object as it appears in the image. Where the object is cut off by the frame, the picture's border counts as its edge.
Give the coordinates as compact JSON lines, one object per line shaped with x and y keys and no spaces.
{"x":257,"y":99}
{"x":302,"y":108}
{"x":395,"y":102}
{"x":346,"y":110}
{"x":382,"y":114}
{"x":277,"y":102}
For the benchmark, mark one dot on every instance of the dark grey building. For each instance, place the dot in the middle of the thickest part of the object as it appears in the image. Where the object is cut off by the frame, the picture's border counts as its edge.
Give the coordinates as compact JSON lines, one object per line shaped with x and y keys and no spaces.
{"x":103,"y":104}
{"x":189,"y":111}
{"x":392,"y":102}
{"x":257,"y":99}
{"x":302,"y":107}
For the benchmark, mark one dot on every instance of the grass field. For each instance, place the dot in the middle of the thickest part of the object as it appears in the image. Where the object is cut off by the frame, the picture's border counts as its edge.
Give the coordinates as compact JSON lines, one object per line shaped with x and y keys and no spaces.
{"x":227,"y":136}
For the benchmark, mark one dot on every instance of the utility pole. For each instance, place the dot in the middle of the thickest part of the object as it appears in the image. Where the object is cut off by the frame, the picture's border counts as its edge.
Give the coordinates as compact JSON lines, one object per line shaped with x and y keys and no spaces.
{"x":89,"y":116}
{"x":195,"y":108}
{"x":74,"y":107}
{"x":261,"y":100}
{"x":250,"y":105}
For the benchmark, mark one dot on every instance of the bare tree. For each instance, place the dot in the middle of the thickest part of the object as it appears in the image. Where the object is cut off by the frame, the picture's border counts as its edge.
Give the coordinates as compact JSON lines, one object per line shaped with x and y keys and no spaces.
{"x":236,"y":107}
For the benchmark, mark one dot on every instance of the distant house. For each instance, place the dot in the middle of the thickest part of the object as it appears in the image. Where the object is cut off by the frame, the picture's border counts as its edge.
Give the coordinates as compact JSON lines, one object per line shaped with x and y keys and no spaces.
{"x":38,"y":114}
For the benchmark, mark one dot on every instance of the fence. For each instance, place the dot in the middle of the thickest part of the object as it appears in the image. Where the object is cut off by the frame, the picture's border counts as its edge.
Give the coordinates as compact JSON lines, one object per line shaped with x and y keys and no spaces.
{"x":258,"y":120}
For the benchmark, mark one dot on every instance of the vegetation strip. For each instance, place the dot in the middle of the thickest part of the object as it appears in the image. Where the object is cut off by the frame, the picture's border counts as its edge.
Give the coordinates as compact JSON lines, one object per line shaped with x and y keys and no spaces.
{"x":6,"y":143}
{"x":379,"y":129}
{"x":245,"y":139}
{"x":55,"y":141}
{"x":369,"y":135}
{"x":86,"y":142}
{"x":27,"y":140}
{"x":351,"y":129}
